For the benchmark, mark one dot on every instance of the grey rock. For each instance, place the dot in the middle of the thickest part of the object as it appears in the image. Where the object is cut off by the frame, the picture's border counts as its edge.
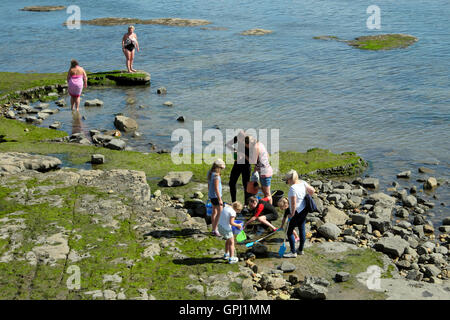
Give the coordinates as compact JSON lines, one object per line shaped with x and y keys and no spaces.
{"x":425,"y":170}
{"x":395,"y":246}
{"x":441,"y":250}
{"x":446,"y":221}
{"x":55,"y":125}
{"x":431,"y":270}
{"x":419,"y":220}
{"x":311,"y":292}
{"x":404,"y":224}
{"x":403,"y":264}
{"x":125,"y":124}
{"x":116,"y":144}
{"x":101,"y":138}
{"x":402,"y":213}
{"x":335,"y":216}
{"x":409,"y":201}
{"x":404,"y":174}
{"x":247,"y":289}
{"x":371,"y":183}
{"x":34,"y":120}
{"x":97,"y":159}
{"x":287,"y":267}
{"x":10,"y":114}
{"x":329,"y":231}
{"x":177,"y":178}
{"x":381,"y":225}
{"x":334,"y":197}
{"x":350,"y":239}
{"x":360,"y":219}
{"x":161,"y":90}
{"x":430,"y":184}
{"x":415,"y":275}
{"x":93,"y":103}
{"x":342,"y":276}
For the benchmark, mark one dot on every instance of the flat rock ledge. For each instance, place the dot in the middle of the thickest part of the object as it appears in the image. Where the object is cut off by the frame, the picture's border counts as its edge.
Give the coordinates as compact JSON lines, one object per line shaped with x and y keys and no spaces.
{"x":120,"y":77}
{"x":15,"y":162}
{"x":43,"y":8}
{"x":256,"y":32}
{"x":177,"y":22}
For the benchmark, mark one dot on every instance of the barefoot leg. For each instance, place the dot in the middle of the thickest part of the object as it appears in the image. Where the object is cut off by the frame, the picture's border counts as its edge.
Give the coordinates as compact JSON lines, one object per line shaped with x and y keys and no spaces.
{"x":132,"y":60}
{"x":127,"y":56}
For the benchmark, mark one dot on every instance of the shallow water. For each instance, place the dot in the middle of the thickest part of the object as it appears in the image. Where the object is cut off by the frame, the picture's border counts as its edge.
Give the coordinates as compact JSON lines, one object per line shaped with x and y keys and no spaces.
{"x":390,"y":107}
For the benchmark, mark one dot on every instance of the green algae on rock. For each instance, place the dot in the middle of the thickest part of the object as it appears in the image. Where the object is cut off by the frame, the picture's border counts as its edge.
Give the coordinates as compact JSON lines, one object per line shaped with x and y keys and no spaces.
{"x":376,"y":42}
{"x":383,"y":42}
{"x":119,"y":77}
{"x":178,"y":22}
{"x":37,"y":86}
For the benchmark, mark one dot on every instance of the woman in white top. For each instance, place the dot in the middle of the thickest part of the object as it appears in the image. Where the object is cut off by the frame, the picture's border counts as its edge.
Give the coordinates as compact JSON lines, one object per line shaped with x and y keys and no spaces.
{"x":296,"y":196}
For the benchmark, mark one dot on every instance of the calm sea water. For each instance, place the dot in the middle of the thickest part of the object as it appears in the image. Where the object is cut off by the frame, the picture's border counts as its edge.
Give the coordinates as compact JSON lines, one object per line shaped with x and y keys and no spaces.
{"x":392,"y":107}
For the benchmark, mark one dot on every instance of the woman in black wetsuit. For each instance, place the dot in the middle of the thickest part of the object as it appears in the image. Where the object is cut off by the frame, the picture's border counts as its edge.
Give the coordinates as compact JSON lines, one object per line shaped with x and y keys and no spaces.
{"x":241,"y":165}
{"x":129,"y":43}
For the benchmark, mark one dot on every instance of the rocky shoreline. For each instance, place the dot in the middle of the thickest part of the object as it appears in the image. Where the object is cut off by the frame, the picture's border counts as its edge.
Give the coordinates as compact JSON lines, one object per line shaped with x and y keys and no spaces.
{"x":355,"y":222}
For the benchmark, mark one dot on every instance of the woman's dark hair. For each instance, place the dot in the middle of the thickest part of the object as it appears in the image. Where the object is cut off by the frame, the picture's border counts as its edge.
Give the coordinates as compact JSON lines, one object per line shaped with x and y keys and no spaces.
{"x":73,"y":63}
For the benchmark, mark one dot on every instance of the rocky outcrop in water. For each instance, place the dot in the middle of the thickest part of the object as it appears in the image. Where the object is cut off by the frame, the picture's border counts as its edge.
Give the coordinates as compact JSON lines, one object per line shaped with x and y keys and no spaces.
{"x":178,"y":22}
{"x":43,"y":8}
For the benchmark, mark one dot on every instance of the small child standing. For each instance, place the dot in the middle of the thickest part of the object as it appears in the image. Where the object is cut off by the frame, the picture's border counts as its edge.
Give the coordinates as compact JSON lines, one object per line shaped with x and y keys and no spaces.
{"x":283,"y":204}
{"x":226,"y":221}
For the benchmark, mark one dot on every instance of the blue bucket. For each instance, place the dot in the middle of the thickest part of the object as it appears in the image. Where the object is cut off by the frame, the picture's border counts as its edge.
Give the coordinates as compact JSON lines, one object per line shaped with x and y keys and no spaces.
{"x":209,"y":208}
{"x":236,"y":230}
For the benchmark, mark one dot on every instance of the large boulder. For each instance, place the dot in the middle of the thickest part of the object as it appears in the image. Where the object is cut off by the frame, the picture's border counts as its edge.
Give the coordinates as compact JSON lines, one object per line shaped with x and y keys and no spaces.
{"x":125,"y":124}
{"x":329,"y":231}
{"x":177,"y":178}
{"x":335,"y":216}
{"x":392,"y":246}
